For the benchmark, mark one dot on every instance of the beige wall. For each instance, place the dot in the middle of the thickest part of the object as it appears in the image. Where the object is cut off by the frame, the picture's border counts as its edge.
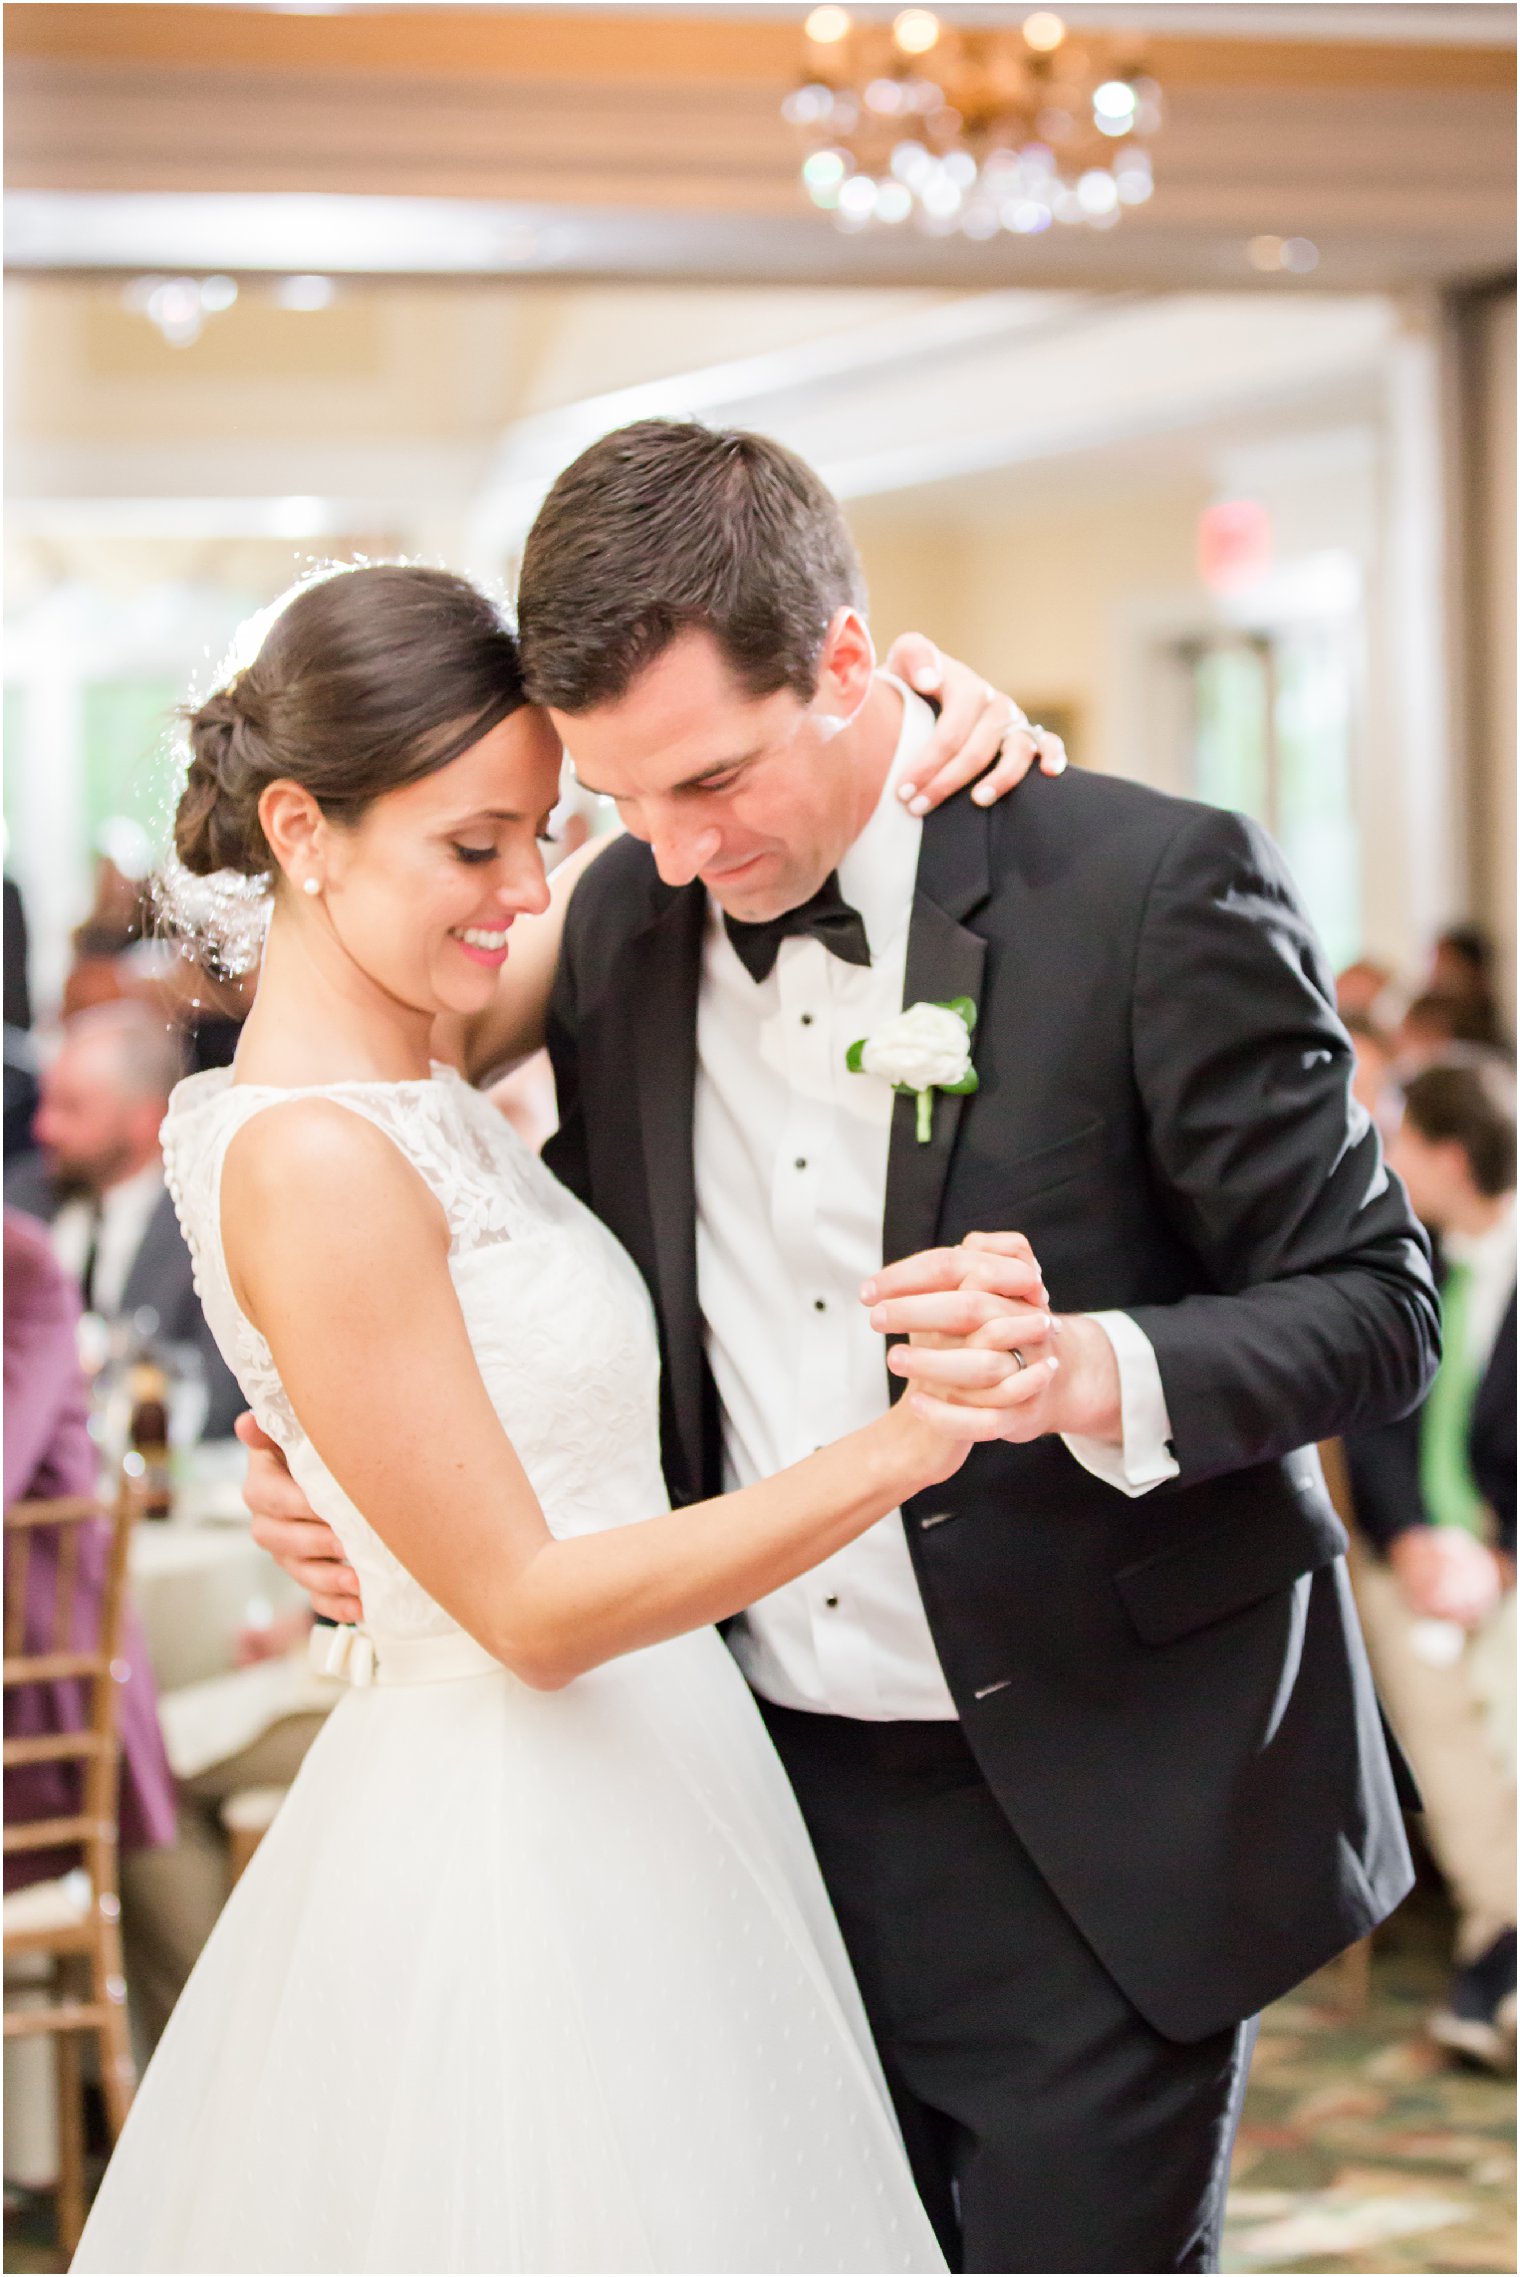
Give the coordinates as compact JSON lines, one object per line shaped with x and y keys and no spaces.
{"x":1491,"y":625}
{"x":1040,"y":597}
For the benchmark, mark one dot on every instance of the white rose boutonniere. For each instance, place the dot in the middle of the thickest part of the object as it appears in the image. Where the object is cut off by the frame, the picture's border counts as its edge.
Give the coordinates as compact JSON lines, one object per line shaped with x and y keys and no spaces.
{"x":927,"y":1048}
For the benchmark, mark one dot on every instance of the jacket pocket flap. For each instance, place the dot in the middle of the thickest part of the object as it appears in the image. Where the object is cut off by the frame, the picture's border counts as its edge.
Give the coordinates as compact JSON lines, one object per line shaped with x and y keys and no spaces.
{"x":1191,"y":1584}
{"x":1057,"y":1161}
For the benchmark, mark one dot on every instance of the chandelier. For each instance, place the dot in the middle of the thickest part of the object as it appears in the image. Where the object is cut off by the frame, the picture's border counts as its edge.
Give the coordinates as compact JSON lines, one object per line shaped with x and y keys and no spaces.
{"x":971,"y":131}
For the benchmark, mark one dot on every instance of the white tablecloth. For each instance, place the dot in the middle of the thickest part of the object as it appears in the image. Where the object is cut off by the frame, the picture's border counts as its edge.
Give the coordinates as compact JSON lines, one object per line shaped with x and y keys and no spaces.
{"x":196,"y":1586}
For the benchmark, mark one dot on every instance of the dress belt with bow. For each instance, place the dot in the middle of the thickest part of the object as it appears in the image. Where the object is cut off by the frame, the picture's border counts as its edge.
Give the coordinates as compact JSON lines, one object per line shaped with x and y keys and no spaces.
{"x":355,"y":1657}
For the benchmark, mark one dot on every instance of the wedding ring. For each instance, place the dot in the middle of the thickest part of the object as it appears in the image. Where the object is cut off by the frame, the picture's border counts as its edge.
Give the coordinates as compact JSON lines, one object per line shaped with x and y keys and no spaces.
{"x":1019,"y":1357}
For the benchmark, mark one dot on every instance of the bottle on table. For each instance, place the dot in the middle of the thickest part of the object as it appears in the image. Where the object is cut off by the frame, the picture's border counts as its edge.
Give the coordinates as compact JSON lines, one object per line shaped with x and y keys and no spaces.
{"x":148,"y":1422}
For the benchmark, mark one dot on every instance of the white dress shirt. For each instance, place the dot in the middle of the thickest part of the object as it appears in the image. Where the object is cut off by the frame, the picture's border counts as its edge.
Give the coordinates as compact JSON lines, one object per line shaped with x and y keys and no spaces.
{"x":125,"y":1210}
{"x":791,"y":1171}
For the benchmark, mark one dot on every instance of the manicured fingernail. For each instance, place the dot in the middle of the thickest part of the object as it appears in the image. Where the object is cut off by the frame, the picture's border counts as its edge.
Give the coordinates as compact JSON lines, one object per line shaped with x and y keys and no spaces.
{"x":907,"y":791}
{"x":879,"y":1317}
{"x":984,"y":794}
{"x":867,"y":1291}
{"x":918,"y":806}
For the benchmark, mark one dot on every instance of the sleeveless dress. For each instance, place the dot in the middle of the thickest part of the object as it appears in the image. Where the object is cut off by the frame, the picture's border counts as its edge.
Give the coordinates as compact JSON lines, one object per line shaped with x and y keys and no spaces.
{"x":517,"y":1980}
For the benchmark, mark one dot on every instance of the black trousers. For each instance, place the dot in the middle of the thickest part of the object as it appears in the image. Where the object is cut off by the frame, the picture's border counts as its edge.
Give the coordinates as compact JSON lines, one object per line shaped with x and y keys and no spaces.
{"x":1049,"y":2125}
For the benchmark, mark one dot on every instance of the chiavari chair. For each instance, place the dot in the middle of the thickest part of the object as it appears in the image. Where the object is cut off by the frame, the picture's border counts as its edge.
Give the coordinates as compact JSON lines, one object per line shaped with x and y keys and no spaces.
{"x":68,"y":1929}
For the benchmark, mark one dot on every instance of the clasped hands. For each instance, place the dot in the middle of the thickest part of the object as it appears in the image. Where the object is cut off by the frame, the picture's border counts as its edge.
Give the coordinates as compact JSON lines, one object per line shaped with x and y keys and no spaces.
{"x":985,"y":1355}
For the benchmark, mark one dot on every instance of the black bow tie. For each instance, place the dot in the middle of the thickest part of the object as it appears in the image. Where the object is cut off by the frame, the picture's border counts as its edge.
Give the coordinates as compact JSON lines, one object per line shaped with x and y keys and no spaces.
{"x":828,"y":917}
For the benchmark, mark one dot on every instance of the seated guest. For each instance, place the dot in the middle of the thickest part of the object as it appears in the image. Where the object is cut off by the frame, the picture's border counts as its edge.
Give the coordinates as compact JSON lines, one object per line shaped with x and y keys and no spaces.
{"x":1432,"y":1024}
{"x":50,"y":1456}
{"x":1361,"y":987}
{"x":1462,"y":966}
{"x":99,"y":1183}
{"x":1434,"y":1496}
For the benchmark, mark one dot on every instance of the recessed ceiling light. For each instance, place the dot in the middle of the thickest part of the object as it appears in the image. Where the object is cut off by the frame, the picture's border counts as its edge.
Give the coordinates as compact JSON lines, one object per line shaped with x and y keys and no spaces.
{"x":305,"y":294}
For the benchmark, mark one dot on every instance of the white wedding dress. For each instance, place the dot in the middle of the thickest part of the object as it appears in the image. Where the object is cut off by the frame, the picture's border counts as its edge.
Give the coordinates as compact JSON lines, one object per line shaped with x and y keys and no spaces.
{"x":517,"y":1980}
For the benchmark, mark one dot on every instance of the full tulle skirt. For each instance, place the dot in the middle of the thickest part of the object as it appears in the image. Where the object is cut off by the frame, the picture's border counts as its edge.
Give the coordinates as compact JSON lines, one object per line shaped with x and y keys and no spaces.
{"x":522,"y":1981}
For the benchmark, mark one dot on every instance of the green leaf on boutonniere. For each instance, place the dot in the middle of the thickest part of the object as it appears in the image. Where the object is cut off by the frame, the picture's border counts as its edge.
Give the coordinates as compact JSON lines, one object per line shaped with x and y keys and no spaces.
{"x":916,"y":1042}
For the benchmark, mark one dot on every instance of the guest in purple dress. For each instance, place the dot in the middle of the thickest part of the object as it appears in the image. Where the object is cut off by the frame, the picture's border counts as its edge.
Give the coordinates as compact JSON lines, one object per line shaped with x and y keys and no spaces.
{"x":49,"y":1454}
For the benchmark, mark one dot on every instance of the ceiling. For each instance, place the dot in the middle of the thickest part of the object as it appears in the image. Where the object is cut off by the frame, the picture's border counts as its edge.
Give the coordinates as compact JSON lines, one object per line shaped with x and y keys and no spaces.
{"x":638,"y":142}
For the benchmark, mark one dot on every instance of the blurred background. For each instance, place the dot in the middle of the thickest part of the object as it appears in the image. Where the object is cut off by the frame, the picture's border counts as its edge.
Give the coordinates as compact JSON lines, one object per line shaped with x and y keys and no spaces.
{"x":1164,"y":358}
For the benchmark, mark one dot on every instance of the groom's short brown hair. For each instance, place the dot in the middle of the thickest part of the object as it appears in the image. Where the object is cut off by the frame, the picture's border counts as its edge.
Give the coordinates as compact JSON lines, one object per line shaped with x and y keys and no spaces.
{"x":668,"y":526}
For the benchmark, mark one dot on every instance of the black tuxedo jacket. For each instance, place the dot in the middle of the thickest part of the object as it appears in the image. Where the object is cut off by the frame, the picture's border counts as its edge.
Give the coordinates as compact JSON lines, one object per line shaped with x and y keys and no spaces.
{"x":1168,"y":1695}
{"x":161,"y":1277}
{"x":1384,"y":1465}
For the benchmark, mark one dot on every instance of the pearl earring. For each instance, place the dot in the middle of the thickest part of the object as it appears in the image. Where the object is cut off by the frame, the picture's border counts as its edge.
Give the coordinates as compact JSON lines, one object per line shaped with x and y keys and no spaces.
{"x":311,"y":885}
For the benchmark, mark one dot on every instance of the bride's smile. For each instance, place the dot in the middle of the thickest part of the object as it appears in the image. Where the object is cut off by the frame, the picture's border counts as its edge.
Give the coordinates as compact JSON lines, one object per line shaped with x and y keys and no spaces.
{"x":416,"y":897}
{"x":485,"y":948}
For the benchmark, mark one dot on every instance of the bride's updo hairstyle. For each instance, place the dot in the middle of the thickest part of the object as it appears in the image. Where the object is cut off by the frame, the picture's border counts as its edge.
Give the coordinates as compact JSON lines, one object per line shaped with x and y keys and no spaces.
{"x":368,"y":679}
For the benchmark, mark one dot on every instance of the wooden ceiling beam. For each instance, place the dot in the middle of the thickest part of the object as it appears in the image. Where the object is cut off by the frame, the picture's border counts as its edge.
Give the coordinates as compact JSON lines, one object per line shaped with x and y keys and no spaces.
{"x":632,"y":50}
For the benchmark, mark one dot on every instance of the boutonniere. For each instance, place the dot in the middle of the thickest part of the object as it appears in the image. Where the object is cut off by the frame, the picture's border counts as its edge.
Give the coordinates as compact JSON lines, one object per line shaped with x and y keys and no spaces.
{"x":926,"y":1048}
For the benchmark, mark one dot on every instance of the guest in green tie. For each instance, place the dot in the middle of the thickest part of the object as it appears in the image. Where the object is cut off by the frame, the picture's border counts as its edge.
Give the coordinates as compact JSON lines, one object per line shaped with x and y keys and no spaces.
{"x":1435,"y":1500}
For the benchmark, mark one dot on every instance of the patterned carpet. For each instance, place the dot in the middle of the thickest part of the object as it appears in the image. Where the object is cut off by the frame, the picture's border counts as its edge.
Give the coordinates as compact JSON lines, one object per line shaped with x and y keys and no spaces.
{"x":1362,"y":2148}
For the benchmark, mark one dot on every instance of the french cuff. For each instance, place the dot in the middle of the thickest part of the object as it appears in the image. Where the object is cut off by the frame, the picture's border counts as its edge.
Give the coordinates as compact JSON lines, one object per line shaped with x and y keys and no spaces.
{"x":1145,"y":1460}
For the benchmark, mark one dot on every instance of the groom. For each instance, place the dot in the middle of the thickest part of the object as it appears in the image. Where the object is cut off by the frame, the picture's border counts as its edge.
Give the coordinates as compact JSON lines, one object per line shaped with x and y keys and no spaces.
{"x":1085,"y":1740}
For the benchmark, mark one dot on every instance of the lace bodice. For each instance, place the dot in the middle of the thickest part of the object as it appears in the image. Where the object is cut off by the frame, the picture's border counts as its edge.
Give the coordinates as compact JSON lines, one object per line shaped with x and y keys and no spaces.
{"x":558,"y":1316}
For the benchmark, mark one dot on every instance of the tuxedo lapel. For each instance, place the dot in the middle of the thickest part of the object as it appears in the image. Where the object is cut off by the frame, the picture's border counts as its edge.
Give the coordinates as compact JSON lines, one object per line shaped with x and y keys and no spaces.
{"x":663,"y":977}
{"x":945,"y":960}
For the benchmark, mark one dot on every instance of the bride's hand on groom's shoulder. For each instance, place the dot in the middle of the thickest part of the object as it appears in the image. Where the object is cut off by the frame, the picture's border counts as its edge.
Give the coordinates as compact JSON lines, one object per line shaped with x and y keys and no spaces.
{"x":980,"y":731}
{"x":985,"y":1346}
{"x":285,"y":1525}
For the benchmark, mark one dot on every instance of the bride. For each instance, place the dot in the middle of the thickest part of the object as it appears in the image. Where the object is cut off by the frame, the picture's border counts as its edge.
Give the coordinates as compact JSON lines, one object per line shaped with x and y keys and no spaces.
{"x":534,"y":1971}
